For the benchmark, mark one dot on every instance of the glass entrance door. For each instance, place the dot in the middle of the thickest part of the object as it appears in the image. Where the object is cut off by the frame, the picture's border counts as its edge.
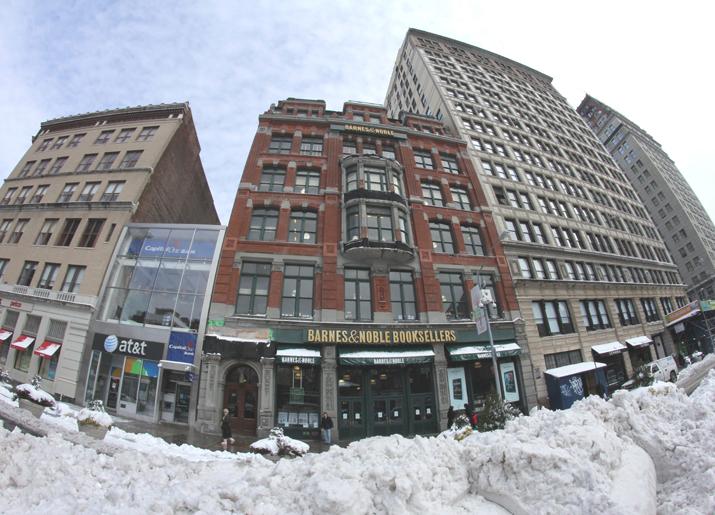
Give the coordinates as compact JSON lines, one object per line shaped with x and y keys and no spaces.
{"x":387,"y":401}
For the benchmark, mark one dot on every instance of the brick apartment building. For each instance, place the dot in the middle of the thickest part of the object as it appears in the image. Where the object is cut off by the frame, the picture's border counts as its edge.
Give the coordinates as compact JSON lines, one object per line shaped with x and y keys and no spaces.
{"x":62,"y":209}
{"x":343,"y":284}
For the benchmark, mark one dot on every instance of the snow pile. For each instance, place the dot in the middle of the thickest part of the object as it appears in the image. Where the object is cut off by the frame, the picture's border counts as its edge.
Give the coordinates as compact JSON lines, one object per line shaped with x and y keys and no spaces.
{"x":94,"y":417}
{"x":7,"y":396}
{"x":35,"y":394}
{"x":61,"y":416}
{"x":151,"y":445}
{"x":278,"y":444}
{"x":706,"y":363}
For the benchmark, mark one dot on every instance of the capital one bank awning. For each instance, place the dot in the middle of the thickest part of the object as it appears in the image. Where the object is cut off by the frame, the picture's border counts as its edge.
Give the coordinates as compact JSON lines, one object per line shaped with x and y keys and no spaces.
{"x":415,"y":355}
{"x":475,"y":352}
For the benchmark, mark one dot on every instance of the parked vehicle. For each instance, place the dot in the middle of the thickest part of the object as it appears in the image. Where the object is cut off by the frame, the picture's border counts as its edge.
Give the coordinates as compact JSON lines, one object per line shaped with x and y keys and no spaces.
{"x":664,"y":369}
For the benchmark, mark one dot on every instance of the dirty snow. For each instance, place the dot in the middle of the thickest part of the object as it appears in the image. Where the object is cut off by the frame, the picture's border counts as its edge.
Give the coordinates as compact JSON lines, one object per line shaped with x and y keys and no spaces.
{"x":38,"y":395}
{"x":599,"y":457}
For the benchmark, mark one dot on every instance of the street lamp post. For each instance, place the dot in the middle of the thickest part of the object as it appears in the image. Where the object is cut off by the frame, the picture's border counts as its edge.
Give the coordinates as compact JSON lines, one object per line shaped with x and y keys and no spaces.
{"x":482,"y":299}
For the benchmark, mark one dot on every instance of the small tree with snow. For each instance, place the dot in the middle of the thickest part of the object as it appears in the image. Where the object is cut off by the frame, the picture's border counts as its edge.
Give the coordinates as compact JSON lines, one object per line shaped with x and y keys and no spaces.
{"x":496,"y":413}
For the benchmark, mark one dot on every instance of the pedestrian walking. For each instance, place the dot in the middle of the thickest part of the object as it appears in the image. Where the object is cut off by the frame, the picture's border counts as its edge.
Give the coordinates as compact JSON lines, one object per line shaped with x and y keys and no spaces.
{"x":326,"y":425}
{"x":226,"y":430}
{"x":450,"y":417}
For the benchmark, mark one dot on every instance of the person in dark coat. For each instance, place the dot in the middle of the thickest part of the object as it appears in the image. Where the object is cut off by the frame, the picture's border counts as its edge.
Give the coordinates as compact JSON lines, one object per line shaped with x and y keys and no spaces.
{"x":326,"y":425}
{"x":450,"y":417}
{"x":226,"y":430}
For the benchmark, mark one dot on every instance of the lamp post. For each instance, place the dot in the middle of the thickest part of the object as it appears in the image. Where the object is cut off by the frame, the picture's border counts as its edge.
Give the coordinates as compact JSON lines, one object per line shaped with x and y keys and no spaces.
{"x":482,"y":299}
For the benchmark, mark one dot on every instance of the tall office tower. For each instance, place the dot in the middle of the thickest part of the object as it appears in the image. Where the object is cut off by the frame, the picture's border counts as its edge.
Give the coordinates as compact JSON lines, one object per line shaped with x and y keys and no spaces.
{"x":345,"y":278}
{"x":592,"y":276}
{"x":686,"y":228}
{"x":62,"y":209}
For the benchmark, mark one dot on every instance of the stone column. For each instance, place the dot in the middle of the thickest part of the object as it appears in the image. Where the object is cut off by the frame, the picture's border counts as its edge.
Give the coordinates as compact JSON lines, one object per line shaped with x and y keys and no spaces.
{"x":328,"y":387}
{"x":442,"y":386}
{"x":266,"y":398}
{"x":208,"y":407}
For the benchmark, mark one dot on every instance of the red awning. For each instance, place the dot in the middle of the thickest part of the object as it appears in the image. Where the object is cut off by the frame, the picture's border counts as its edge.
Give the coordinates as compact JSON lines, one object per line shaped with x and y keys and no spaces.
{"x":22,"y":343}
{"x":4,"y":335}
{"x":48,"y":349}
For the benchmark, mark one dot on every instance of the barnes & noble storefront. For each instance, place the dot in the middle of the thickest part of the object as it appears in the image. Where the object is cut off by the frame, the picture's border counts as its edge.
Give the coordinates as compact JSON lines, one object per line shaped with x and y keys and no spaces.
{"x":384,"y":381}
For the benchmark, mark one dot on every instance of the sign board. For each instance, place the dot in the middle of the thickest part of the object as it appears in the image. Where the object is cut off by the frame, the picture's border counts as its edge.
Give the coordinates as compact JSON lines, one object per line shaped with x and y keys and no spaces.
{"x":16,"y":304}
{"x":679,"y":313}
{"x":481,"y":321}
{"x":137,"y":348}
{"x":182,"y":347}
{"x":457,"y":387}
{"x":216,"y":323}
{"x":510,"y":386}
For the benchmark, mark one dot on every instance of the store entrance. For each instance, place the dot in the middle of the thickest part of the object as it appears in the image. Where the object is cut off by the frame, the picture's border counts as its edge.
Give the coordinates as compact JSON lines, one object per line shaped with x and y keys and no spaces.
{"x":386,"y":400}
{"x":241,"y":399}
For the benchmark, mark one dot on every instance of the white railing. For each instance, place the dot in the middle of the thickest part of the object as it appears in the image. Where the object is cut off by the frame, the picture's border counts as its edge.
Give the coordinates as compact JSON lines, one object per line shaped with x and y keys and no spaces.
{"x":42,"y":293}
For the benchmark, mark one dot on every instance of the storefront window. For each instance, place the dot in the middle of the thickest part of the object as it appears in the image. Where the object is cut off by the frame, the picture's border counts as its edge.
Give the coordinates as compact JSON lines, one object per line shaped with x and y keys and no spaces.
{"x":420,"y":379}
{"x":298,"y":396}
{"x":385,"y":381}
{"x":482,"y":382}
{"x":139,"y":384}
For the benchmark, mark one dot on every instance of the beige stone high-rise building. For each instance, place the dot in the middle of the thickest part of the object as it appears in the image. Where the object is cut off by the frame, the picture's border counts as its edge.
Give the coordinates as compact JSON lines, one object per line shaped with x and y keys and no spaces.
{"x":62,"y":209}
{"x":686,"y":228}
{"x":593,"y":278}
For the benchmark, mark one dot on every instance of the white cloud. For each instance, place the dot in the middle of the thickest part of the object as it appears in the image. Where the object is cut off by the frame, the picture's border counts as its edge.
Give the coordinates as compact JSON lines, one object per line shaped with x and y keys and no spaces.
{"x":231,"y":60}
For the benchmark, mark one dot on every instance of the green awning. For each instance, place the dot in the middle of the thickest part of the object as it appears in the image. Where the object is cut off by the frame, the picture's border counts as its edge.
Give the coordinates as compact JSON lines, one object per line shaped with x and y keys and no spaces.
{"x":475,"y":352}
{"x":297,"y":356}
{"x":413,"y":355}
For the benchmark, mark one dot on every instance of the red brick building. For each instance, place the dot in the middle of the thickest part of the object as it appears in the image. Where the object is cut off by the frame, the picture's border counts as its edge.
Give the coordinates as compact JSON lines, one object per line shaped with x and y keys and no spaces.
{"x":344,"y":281}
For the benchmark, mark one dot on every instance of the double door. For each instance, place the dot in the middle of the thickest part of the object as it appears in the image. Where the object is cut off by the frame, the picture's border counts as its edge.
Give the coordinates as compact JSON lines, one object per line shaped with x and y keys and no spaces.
{"x":241,"y":401}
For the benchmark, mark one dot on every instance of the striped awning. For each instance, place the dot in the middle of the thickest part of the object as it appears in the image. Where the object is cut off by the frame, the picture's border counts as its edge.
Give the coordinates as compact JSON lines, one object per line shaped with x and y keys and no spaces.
{"x":22,"y":343}
{"x":4,"y":335}
{"x":47,"y":349}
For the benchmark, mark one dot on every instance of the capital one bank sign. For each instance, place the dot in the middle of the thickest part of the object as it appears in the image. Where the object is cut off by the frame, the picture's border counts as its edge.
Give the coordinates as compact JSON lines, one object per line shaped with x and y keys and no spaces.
{"x":134,"y":347}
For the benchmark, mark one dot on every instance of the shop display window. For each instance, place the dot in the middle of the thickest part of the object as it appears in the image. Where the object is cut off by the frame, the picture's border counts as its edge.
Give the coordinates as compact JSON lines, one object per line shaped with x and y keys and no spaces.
{"x":482,"y":383}
{"x":298,"y":396}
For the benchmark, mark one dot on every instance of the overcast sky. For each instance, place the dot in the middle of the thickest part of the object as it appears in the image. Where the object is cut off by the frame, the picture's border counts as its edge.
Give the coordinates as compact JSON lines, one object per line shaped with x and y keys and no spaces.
{"x":652,"y":61}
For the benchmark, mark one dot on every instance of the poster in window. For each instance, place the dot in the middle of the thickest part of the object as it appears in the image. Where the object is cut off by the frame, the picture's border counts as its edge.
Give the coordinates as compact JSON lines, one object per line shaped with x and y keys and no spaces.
{"x":457,"y":382}
{"x":282,"y":418}
{"x":314,"y":420}
{"x":510,"y":386}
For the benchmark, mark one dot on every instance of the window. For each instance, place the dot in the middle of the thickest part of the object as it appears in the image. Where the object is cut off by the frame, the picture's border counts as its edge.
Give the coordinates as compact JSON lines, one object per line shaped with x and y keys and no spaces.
{"x":561,"y":359}
{"x":525,"y":268}
{"x":8,"y":195}
{"x":594,"y":315}
{"x":388,"y":152}
{"x":130,"y":159}
{"x":449,"y":163}
{"x":461,"y":197}
{"x":650,"y":309}
{"x":103,"y":137}
{"x":352,"y":216}
{"x":40,"y":193}
{"x":297,"y":298}
{"x":424,"y":160}
{"x":26,"y":169}
{"x":253,"y":289}
{"x":369,"y":149}
{"x":357,"y":294}
{"x":59,"y":142}
{"x":44,"y":145}
{"x":311,"y":147}
{"x":454,"y":298}
{"x":3,"y":266}
{"x":539,"y":271}
{"x":73,"y":278}
{"x":91,"y":232}
{"x":263,"y":225}
{"x":441,"y":237}
{"x":147,"y":133}
{"x":379,"y":224}
{"x":396,"y":184}
{"x":124,"y":135}
{"x":375,"y":179}
{"x":303,"y":227}
{"x":351,"y":179}
{"x":75,"y":140}
{"x":552,"y":317}
{"x":85,"y":162}
{"x":48,"y":227}
{"x":4,"y":228}
{"x":19,"y":229}
{"x":402,"y":226}
{"x":472,"y":240}
{"x":665,"y":302}
{"x":272,"y":179}
{"x":67,"y":192}
{"x":22,"y":358}
{"x":349,"y":148}
{"x":114,"y":188}
{"x":55,"y":334}
{"x":511,"y":229}
{"x":626,"y":312}
{"x":280,"y":145}
{"x":57,"y":165}
{"x":49,"y":274}
{"x":402,"y":295}
{"x":22,"y":196}
{"x":432,"y":194}
{"x":307,"y":182}
{"x":41,"y":167}
{"x":67,"y":234}
{"x":88,"y":192}
{"x":107,"y":161}
{"x":28,"y":272}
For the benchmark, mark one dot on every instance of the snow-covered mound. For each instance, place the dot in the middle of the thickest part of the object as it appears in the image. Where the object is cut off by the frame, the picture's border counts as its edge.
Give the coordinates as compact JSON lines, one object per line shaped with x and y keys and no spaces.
{"x":278,"y":444}
{"x":94,"y":417}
